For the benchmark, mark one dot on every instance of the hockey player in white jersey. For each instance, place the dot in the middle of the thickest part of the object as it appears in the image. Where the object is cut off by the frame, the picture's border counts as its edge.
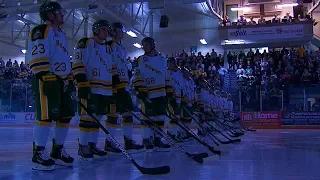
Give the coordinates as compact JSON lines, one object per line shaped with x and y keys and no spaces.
{"x":230,"y":106}
{"x":96,"y":76}
{"x":203,"y":102}
{"x":152,"y":84}
{"x":49,"y":61}
{"x":188,"y":99}
{"x":119,"y":54}
{"x":177,"y":83}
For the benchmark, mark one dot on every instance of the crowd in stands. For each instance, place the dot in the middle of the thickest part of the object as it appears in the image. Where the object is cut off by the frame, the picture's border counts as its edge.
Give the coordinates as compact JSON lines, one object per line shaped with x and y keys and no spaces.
{"x":243,"y":21}
{"x":274,"y":71}
{"x":15,"y":83}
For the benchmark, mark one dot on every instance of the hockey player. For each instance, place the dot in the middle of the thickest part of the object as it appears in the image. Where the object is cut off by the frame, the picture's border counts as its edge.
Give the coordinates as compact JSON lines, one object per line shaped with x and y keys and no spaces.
{"x":230,"y":106}
{"x":119,"y":57}
{"x":152,"y":82}
{"x":49,"y":61}
{"x":188,"y":100}
{"x":95,"y":75}
{"x":177,"y":83}
{"x":203,"y":102}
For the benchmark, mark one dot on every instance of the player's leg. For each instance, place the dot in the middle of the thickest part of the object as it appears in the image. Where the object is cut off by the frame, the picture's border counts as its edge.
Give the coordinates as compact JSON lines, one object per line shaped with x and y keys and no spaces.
{"x":127,"y":130}
{"x":111,"y":125}
{"x":40,"y":158}
{"x":58,"y":152}
{"x":94,"y":131}
{"x":147,"y":133}
{"x":186,"y":119}
{"x":85,"y":125}
{"x":159,"y":107}
{"x":201,"y":132}
{"x":173,"y":127}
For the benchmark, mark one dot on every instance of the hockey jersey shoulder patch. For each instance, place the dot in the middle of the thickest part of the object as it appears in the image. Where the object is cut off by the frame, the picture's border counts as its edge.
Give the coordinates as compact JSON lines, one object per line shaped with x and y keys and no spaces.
{"x":82,"y":43}
{"x":39,"y":32}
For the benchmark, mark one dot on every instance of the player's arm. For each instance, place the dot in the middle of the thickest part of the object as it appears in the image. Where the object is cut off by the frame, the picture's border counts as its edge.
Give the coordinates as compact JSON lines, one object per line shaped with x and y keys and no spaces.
{"x":78,"y":68}
{"x":138,"y":81}
{"x":39,"y":47}
{"x":168,"y":86}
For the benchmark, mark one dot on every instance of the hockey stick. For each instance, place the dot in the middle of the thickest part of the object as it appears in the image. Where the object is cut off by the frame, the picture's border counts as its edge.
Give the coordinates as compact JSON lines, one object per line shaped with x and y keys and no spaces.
{"x":196,"y":157}
{"x":223,"y":126}
{"x":202,"y":127}
{"x":232,"y":140}
{"x":245,"y":128}
{"x":143,"y":170}
{"x":195,"y":136}
{"x":233,"y":131}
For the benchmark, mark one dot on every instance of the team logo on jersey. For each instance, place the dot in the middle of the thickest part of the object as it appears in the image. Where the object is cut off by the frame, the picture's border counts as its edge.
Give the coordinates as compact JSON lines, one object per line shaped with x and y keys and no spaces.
{"x":37,"y":34}
{"x":56,"y":33}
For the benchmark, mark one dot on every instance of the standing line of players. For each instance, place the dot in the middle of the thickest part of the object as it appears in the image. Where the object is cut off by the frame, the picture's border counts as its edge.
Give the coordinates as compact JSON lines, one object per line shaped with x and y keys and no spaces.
{"x":100,"y":75}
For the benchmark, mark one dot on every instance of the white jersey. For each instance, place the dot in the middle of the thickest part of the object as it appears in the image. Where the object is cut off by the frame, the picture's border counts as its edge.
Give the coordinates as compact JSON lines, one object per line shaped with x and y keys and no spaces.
{"x":188,"y":93}
{"x":98,"y":65}
{"x":119,"y":55}
{"x":225,"y":104}
{"x":177,"y":83}
{"x":204,"y":100}
{"x":230,"y":106}
{"x":48,"y":51}
{"x":152,"y":76}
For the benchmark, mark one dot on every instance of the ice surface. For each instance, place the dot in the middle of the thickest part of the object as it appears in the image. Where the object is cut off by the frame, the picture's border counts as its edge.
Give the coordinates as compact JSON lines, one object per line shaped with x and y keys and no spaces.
{"x":262,"y":155}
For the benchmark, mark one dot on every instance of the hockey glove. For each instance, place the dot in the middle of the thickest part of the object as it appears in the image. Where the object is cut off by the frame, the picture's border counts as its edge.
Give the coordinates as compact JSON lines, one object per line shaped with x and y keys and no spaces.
{"x":83,"y":90}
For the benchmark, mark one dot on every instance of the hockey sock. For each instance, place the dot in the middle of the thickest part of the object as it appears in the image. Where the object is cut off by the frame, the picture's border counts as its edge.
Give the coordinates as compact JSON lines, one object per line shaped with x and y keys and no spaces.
{"x":146,"y":131}
{"x":94,"y":135}
{"x":61,"y":131}
{"x":84,"y":132}
{"x":41,"y":132}
{"x":127,"y":126}
{"x":173,"y":128}
{"x":111,"y":124}
{"x":159,"y":120}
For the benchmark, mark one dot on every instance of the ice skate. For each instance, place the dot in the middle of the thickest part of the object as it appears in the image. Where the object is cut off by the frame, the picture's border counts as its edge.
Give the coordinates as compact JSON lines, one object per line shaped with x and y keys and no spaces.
{"x":148,"y":145}
{"x":84,"y":153}
{"x":131,"y":145}
{"x":111,"y":147}
{"x":96,"y":151}
{"x":160,"y":146}
{"x":60,"y":156}
{"x":41,"y":160}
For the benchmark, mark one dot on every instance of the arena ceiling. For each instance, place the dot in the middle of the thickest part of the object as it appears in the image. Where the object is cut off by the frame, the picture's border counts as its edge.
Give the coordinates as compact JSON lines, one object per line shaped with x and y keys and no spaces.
{"x":17,"y":17}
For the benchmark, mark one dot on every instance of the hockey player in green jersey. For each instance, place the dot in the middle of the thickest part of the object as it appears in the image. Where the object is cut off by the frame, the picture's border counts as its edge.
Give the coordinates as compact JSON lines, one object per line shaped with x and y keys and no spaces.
{"x":49,"y":61}
{"x":119,"y":55}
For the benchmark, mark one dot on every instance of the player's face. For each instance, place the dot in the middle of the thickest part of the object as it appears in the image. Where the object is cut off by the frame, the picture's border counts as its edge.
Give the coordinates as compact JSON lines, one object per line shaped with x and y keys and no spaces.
{"x":104,"y":32}
{"x":57,"y":17}
{"x":119,"y":33}
{"x":147,"y":47}
{"x":171,"y":65}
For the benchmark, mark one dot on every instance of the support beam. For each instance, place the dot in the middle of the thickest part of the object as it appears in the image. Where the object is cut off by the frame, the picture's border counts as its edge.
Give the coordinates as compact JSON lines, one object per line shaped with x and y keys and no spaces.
{"x":212,"y":10}
{"x":75,"y":34}
{"x":315,"y":6}
{"x":14,"y":40}
{"x":26,"y":42}
{"x":8,"y":43}
{"x":151,"y":25}
{"x":192,"y":10}
{"x":145,"y":24}
{"x":136,"y":16}
{"x":118,"y":18}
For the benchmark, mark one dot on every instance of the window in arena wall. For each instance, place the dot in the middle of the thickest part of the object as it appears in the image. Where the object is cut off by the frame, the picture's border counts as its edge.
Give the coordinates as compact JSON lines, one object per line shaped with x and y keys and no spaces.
{"x":233,"y":15}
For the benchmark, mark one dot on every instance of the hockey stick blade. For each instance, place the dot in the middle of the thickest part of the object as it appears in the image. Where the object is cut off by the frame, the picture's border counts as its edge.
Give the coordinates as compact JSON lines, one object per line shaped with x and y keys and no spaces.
{"x":236,"y":140}
{"x":143,"y":170}
{"x":202,"y":155}
{"x":154,"y":171}
{"x":214,"y":151}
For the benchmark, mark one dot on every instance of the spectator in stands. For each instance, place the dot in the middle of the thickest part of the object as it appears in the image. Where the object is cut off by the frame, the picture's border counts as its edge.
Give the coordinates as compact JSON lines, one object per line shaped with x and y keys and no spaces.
{"x":242,"y":20}
{"x":2,"y":63}
{"x":252,"y":22}
{"x":306,"y":76}
{"x":301,"y":52}
{"x":287,"y":17}
{"x":213,"y":54}
{"x":226,"y":21}
{"x":222,"y":72}
{"x":261,"y":20}
{"x":240,"y":71}
{"x":9,"y":63}
{"x":276,"y":19}
{"x":15,"y":64}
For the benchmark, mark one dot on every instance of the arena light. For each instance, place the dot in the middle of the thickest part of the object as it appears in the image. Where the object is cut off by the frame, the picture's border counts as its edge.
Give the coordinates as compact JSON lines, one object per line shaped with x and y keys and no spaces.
{"x":23,"y":51}
{"x":203,"y":41}
{"x":287,"y":5}
{"x":240,"y":9}
{"x":132,"y":34}
{"x":20,"y":21}
{"x":137,"y":45}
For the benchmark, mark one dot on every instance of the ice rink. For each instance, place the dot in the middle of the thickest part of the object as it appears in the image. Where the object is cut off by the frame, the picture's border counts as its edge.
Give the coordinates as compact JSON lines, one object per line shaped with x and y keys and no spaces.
{"x":262,"y":155}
